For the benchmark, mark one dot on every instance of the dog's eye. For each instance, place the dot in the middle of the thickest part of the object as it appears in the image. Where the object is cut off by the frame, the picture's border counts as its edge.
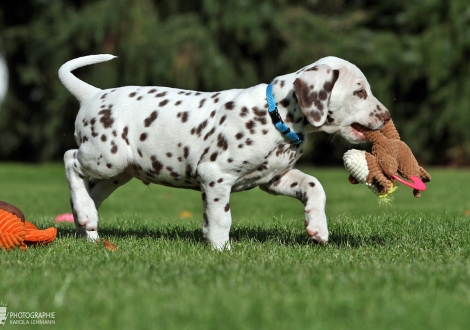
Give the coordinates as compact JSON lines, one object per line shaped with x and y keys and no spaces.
{"x":361,"y":93}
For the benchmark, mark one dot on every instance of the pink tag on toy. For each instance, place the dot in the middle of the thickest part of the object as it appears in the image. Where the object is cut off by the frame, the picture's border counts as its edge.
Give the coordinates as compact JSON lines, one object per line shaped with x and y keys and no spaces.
{"x":415,"y":184}
{"x":67,"y":217}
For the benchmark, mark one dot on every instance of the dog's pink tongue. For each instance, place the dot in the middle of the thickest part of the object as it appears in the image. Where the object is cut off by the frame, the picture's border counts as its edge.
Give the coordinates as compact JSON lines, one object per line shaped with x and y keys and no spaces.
{"x":358,"y":129}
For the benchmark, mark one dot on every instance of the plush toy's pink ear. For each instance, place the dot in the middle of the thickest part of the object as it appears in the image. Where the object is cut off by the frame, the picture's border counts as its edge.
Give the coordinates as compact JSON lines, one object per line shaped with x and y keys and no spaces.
{"x":313,"y":89}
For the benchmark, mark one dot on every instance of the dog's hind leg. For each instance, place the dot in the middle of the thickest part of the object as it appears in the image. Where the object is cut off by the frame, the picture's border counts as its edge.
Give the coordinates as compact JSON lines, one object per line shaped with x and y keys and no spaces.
{"x":83,"y":207}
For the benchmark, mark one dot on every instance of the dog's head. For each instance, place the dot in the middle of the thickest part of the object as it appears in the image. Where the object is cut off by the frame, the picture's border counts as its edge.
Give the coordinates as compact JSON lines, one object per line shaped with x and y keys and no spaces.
{"x":334,"y":94}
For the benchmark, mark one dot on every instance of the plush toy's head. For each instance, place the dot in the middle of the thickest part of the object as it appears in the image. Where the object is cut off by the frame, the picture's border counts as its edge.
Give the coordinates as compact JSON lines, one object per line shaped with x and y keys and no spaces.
{"x":12,"y":209}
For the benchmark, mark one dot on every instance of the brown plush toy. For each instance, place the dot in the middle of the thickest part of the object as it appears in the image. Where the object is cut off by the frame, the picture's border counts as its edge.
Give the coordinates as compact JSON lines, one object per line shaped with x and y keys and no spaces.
{"x":390,"y":156}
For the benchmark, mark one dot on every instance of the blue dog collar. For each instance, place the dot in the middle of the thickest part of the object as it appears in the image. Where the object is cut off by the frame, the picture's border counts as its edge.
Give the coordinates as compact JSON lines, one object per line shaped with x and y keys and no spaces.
{"x":277,"y":120}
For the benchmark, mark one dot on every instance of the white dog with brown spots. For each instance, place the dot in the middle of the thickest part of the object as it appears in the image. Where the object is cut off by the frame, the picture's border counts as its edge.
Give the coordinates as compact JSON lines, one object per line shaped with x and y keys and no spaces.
{"x":214,"y":142}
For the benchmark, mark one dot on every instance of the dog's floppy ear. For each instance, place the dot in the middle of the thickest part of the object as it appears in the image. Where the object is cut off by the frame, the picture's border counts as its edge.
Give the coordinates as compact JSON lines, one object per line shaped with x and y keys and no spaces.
{"x":313,"y":89}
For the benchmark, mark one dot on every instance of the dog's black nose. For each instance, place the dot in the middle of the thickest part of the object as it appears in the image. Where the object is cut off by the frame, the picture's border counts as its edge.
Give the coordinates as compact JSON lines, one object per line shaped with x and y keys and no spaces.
{"x":386,"y":116}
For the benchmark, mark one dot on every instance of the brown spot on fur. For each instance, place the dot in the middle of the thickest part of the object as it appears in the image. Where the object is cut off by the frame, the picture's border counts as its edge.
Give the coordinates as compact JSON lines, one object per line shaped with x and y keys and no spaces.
{"x":163,"y":103}
{"x":229,"y":105}
{"x":183,"y":115}
{"x":316,"y":115}
{"x":114,"y":148}
{"x":106,"y":120}
{"x":203,"y":154}
{"x":124,"y":134}
{"x":328,"y":86}
{"x":258,"y":112}
{"x":227,"y":207}
{"x":156,"y":165}
{"x":150,"y":119}
{"x":209,"y":133}
{"x":201,"y":127}
{"x":250,"y":125}
{"x":244,"y":112}
{"x":222,"y":141}
{"x":143,"y":136}
{"x":201,"y":104}
{"x":285,"y":102}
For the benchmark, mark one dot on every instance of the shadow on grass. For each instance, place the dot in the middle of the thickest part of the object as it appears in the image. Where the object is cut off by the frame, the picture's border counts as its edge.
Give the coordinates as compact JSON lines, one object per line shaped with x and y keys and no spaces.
{"x":353,"y":240}
{"x":284,"y":236}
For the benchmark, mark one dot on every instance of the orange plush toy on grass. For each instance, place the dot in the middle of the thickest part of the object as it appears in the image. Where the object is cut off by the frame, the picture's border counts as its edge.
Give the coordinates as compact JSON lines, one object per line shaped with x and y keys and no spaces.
{"x":15,"y":231}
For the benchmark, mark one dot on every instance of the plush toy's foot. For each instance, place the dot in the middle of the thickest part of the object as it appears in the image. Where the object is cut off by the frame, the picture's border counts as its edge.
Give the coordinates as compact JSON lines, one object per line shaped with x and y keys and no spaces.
{"x":352,"y":179}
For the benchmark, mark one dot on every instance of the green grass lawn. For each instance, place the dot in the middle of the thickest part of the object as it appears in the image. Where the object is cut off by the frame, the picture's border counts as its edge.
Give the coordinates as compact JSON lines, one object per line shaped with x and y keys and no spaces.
{"x":399,"y":266}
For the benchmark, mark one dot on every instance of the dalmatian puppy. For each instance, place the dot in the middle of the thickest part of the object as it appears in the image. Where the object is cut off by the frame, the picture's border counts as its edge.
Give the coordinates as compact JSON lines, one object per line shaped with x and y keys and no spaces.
{"x":213,"y":142}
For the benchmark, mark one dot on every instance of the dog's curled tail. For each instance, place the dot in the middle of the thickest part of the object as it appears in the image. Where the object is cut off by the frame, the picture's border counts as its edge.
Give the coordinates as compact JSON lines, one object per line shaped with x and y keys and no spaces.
{"x":80,"y":89}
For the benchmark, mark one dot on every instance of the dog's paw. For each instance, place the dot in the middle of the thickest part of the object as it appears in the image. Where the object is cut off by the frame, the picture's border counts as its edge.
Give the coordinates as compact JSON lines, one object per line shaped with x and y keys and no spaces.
{"x":91,"y":235}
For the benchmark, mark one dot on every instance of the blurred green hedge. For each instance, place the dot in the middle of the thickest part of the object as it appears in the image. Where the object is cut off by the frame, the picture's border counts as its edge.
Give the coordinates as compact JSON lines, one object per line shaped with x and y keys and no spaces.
{"x":414,"y":54}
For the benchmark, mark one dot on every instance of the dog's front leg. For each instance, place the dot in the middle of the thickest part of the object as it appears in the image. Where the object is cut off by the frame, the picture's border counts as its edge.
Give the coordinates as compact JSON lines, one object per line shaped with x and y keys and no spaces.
{"x":309,"y":191}
{"x":217,"y":216}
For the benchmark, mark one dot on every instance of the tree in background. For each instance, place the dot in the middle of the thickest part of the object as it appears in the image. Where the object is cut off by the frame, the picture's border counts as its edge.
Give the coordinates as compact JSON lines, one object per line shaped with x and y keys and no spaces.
{"x":413,"y":53}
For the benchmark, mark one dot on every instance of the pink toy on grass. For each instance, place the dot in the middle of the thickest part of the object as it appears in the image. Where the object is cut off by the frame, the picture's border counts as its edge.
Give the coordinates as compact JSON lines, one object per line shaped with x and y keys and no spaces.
{"x":67,"y":217}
